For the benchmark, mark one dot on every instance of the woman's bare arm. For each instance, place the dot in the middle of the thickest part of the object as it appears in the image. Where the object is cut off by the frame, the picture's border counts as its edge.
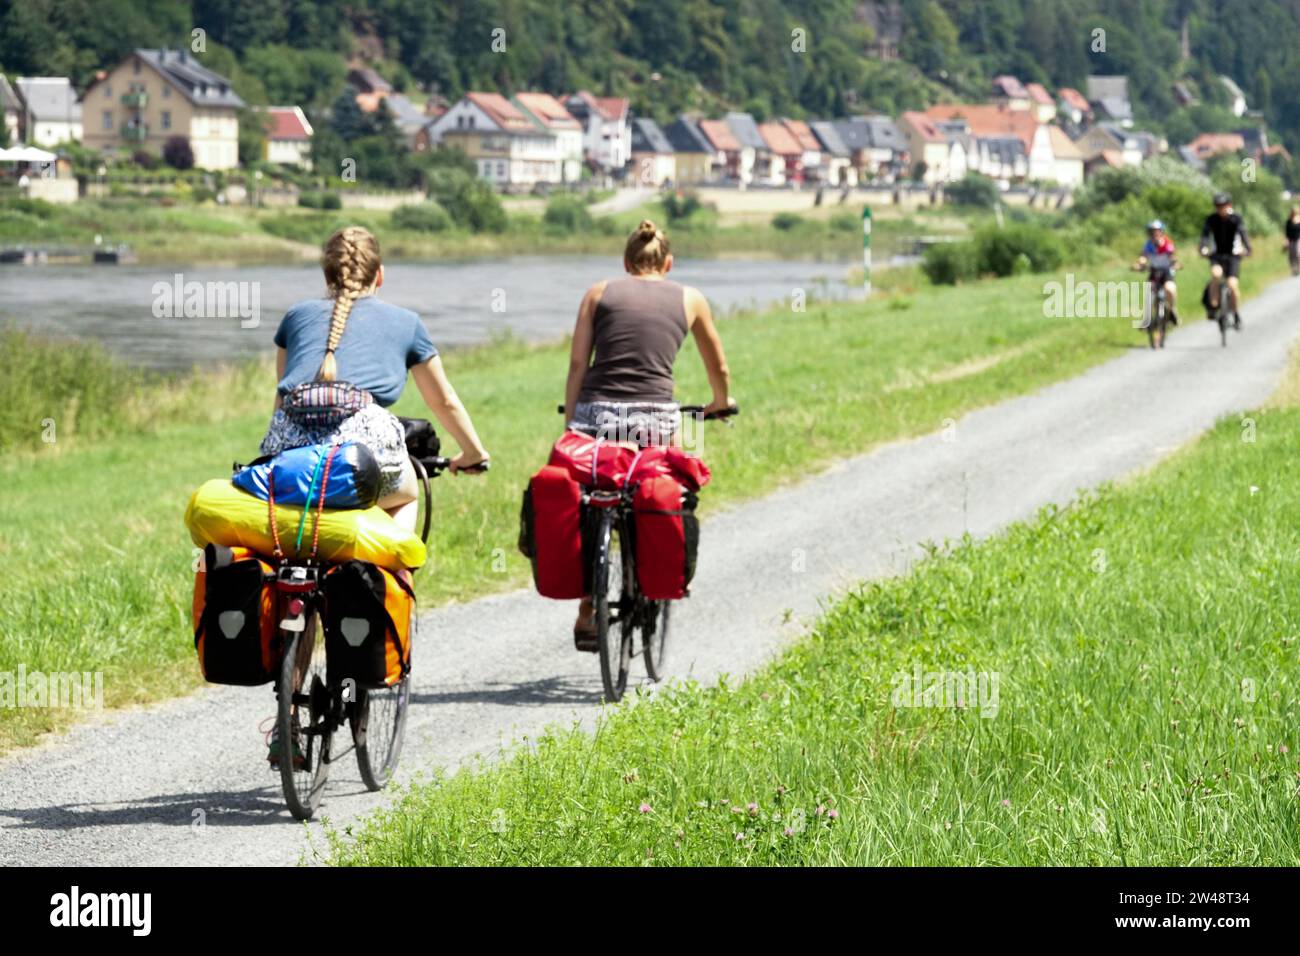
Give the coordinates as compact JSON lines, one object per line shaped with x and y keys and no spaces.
{"x":447,"y":408}
{"x":709,"y":343}
{"x":584,"y":336}
{"x":281,"y":358}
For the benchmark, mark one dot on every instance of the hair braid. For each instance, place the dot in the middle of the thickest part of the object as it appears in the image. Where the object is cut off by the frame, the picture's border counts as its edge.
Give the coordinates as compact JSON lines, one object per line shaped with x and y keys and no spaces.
{"x":351,"y":262}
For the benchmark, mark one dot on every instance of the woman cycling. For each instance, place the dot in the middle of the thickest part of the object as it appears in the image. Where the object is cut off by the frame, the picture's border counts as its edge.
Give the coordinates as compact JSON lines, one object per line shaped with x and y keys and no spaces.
{"x":626,"y":339}
{"x":343,"y":360}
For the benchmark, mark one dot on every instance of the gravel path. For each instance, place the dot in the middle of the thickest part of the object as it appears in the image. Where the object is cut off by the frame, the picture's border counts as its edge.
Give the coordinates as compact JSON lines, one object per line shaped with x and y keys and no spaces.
{"x":186,"y":782}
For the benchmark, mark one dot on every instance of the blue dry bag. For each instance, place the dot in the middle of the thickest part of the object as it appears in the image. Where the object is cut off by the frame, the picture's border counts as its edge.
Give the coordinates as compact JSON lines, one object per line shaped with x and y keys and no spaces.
{"x":353,"y":480}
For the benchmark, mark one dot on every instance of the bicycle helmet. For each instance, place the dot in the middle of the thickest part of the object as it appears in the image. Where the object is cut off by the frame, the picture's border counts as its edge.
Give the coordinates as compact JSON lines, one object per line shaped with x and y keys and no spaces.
{"x":1222,"y":199}
{"x":1155,"y":224}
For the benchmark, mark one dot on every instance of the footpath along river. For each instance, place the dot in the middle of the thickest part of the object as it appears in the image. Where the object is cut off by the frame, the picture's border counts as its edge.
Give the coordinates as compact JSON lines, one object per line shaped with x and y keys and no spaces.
{"x":133,"y":310}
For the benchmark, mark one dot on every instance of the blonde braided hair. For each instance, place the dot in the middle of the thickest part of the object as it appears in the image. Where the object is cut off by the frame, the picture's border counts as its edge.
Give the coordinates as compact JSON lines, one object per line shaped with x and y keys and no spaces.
{"x":647,"y":249}
{"x":350,"y":259}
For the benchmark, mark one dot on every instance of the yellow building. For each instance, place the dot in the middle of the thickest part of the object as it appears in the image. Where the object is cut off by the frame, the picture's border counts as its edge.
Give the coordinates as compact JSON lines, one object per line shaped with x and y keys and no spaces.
{"x":154,"y":95}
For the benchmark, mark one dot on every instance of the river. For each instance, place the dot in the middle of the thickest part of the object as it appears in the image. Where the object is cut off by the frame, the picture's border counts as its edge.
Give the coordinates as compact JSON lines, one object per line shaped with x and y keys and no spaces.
{"x":129,"y":308}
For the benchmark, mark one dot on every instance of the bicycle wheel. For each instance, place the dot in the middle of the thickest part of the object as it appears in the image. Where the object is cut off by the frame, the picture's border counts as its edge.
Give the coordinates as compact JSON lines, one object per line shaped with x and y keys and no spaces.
{"x":305,"y":715}
{"x":655,"y":628}
{"x":378,"y":725}
{"x":1223,"y":327}
{"x":613,"y":623}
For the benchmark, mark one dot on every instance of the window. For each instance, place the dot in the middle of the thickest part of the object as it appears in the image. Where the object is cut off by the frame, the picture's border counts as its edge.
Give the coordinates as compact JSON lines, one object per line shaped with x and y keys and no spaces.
{"x":108,"y":119}
{"x":108,"y":91}
{"x":135,"y":66}
{"x":501,"y":169}
{"x":166,"y":119}
{"x":167,"y":91}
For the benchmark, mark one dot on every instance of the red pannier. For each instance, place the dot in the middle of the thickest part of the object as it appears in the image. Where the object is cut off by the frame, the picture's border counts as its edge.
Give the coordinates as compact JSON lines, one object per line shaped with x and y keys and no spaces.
{"x":599,"y":464}
{"x":550,"y":534}
{"x":667,"y":537}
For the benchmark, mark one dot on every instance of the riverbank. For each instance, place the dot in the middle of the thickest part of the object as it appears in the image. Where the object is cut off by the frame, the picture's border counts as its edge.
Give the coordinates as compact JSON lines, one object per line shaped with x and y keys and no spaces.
{"x":195,"y":234}
{"x":95,"y":547}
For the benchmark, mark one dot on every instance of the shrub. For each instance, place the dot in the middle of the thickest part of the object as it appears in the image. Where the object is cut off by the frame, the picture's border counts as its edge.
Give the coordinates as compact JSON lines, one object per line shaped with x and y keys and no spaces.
{"x":947,"y":263}
{"x":469,"y":201}
{"x":678,"y":206}
{"x":567,"y":214}
{"x":331,"y":201}
{"x":973,"y":190}
{"x":1181,"y":207}
{"x":845,"y":221}
{"x":145,"y":159}
{"x":1017,"y":248}
{"x":785,"y":221}
{"x":177,"y":153}
{"x":422,"y":217}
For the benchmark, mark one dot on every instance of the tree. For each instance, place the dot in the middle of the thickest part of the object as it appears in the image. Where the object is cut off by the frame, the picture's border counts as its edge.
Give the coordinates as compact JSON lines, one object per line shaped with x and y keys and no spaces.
{"x":177,"y":153}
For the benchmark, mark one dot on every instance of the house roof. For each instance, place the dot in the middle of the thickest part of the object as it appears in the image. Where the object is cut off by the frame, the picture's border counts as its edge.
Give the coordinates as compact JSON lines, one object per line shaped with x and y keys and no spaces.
{"x":885,"y":133}
{"x":287,"y":123}
{"x":50,"y":98}
{"x":685,"y":137}
{"x":779,"y":139}
{"x":408,"y":117}
{"x":802,"y":134}
{"x":987,"y":120}
{"x":612,"y":108}
{"x":196,"y":82}
{"x":924,"y":126}
{"x":548,"y":111}
{"x":1073,"y":99}
{"x":647,"y":137}
{"x":501,"y":111}
{"x":1062,"y":146}
{"x":746,"y":130}
{"x":1005,"y":149}
{"x":1207,"y":145}
{"x":719,"y":134}
{"x":1107,"y":157}
{"x":1110,"y":93}
{"x":829,"y":137}
{"x":1010,"y":86}
{"x":1038,"y":93}
{"x":366,"y":80}
{"x":1231,"y":86}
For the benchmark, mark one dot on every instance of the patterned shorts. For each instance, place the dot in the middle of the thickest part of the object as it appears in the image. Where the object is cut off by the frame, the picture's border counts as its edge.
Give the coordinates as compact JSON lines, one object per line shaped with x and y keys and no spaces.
{"x":373,"y":426}
{"x":645,"y":423}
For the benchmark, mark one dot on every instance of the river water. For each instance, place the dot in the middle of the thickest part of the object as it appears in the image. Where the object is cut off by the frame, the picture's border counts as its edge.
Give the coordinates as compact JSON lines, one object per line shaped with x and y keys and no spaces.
{"x":130,"y":309}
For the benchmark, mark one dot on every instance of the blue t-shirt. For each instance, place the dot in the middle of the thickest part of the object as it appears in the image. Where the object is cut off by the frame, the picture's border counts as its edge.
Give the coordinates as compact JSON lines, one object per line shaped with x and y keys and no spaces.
{"x":380,"y":342}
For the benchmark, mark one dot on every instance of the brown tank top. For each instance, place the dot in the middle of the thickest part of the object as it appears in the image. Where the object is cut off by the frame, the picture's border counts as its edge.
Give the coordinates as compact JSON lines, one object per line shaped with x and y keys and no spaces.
{"x":639,"y":328}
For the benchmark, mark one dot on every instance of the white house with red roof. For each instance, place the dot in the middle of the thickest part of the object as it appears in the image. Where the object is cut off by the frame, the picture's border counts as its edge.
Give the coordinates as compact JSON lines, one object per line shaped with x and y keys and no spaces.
{"x":607,"y":128}
{"x":550,"y":113}
{"x":509,"y":147}
{"x":1041,"y":103}
{"x":288,"y":136}
{"x":1009,"y":91}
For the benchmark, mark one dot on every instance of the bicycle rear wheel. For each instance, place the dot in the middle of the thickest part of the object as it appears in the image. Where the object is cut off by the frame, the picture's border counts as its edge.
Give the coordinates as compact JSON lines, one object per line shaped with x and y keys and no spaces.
{"x":1223,"y":328}
{"x":378,"y":726}
{"x":612,"y":605}
{"x":655,"y":628}
{"x":306,"y":719}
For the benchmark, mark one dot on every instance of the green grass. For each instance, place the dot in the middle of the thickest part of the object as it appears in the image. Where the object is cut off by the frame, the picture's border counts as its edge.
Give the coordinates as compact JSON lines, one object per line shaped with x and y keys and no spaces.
{"x":95,"y":562}
{"x":1144,"y":642}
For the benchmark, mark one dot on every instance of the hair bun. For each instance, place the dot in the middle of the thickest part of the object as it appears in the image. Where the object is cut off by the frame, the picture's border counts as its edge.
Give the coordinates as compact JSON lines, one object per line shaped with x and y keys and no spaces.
{"x":647,"y":229}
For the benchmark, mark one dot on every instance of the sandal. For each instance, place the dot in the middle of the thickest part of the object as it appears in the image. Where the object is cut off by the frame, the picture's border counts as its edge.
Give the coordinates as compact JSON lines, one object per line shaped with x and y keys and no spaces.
{"x":586,"y":638}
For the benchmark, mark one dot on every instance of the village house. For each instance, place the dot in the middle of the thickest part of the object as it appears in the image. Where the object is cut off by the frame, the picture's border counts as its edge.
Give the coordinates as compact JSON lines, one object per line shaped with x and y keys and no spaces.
{"x":769,"y":168}
{"x":1041,"y":103}
{"x":1131,"y":146}
{"x":550,"y":114}
{"x":607,"y":129}
{"x":878,"y":150}
{"x":509,"y":149}
{"x":1010,"y":92}
{"x":837,"y":158}
{"x":810,"y":156}
{"x":693,"y":155}
{"x":51,"y":113}
{"x":1073,"y":106}
{"x":784,"y":148}
{"x":288,"y":136}
{"x":1108,"y":97}
{"x":732,"y":160}
{"x":994,"y":121}
{"x":154,"y":95}
{"x":1236,"y":98}
{"x":653,"y":159}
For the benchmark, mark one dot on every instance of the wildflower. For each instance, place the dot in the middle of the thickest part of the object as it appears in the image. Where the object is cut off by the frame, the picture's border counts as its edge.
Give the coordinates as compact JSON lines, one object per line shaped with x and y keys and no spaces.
{"x":788,"y":831}
{"x":740,"y":836}
{"x":753,"y":809}
{"x":1006,"y":803}
{"x":1283,"y":749}
{"x":645,"y":808}
{"x":833,"y":814}
{"x":820,"y":810}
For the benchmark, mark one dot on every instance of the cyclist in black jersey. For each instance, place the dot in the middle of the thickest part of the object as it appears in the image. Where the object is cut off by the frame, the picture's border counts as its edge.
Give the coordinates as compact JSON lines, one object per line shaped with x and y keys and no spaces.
{"x":1224,"y":242}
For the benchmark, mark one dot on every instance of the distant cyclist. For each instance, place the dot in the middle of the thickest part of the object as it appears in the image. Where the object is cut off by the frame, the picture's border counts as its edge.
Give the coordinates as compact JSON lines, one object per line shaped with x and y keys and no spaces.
{"x":1293,"y":240}
{"x":1160,"y":247}
{"x":1224,"y":242}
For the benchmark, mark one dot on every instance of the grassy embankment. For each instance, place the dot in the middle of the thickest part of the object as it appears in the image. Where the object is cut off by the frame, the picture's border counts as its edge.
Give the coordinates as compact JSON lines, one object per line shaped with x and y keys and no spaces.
{"x":259,"y":236}
{"x":1144,"y":646}
{"x":95,"y":563}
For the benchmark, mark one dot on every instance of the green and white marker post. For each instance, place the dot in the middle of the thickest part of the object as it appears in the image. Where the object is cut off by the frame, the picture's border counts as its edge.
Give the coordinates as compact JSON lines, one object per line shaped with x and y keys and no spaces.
{"x":866,"y":251}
